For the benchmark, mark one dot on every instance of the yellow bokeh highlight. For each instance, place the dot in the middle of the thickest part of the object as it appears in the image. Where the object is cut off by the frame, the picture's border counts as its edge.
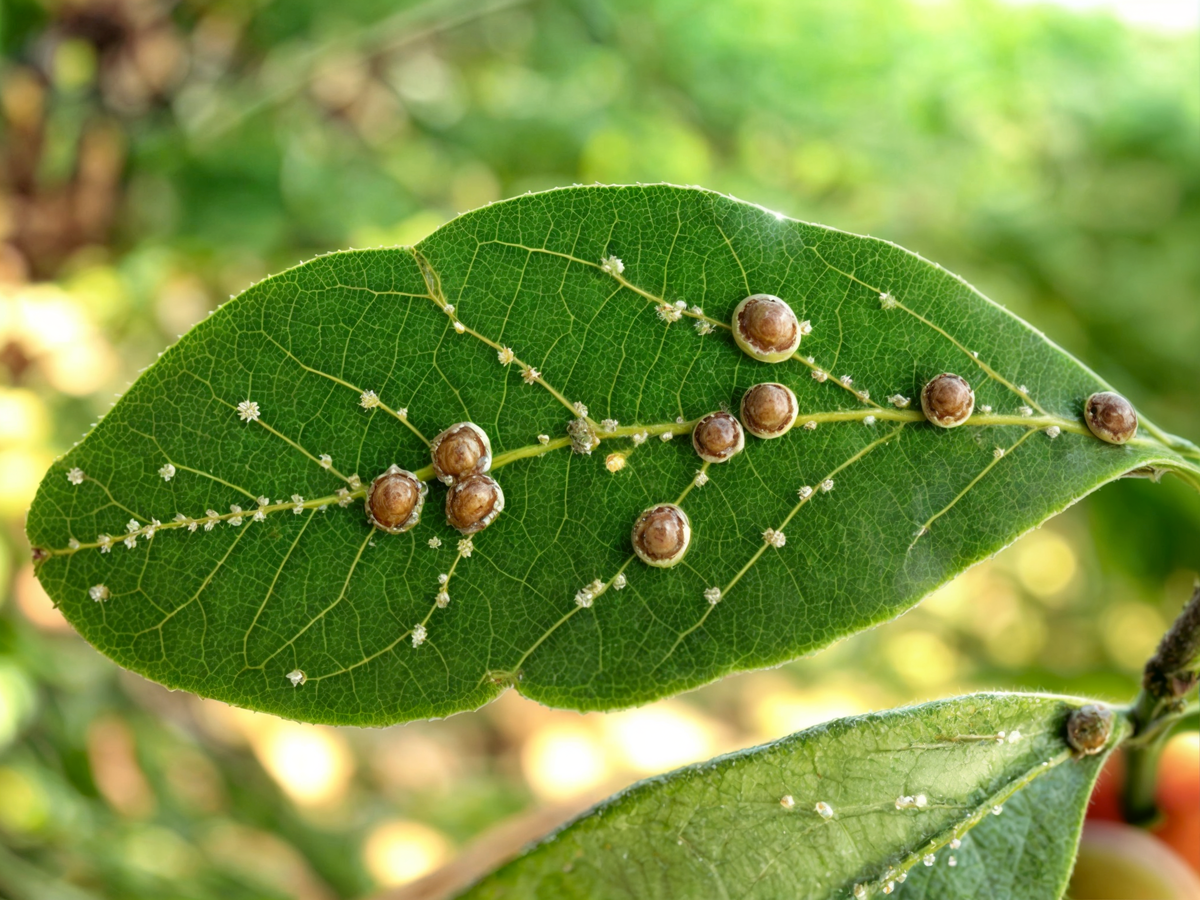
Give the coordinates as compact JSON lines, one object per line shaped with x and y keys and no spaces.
{"x":1045,"y":564}
{"x":401,"y":851}
{"x":1130,"y":632}
{"x":659,"y":737}
{"x":922,"y":659}
{"x":781,"y":711}
{"x":24,"y":806}
{"x":23,"y":418}
{"x":58,"y":332}
{"x":562,"y":760}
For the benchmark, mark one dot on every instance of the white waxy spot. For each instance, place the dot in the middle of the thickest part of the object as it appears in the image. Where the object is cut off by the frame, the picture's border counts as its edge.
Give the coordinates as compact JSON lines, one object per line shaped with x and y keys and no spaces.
{"x":435,"y":542}
{"x":505,"y":355}
{"x":1014,"y":736}
{"x":713,"y":595}
{"x":666,"y":436}
{"x":443,"y":578}
{"x":260,"y":515}
{"x":448,"y":309}
{"x":248,"y":411}
{"x":442,"y":599}
{"x":98,"y":592}
{"x":418,"y":635}
{"x":402,"y":412}
{"x":806,"y":328}
{"x":543,"y":439}
{"x":868,"y":420}
{"x":466,"y":547}
{"x":167,"y":472}
{"x":75,"y":476}
{"x":955,"y":844}
{"x":297,"y":504}
{"x":584,"y":598}
{"x":700,"y":479}
{"x":824,"y":810}
{"x":325,"y":460}
{"x":996,"y":810}
{"x":639,"y":438}
{"x":846,"y":380}
{"x":264,"y":501}
{"x":614,"y":462}
{"x":680,"y":305}
{"x":669,"y":313}
{"x":612,"y":265}
{"x":679,"y":420}
{"x":864,"y":396}
{"x":1025,"y":411}
{"x":1000,"y":737}
{"x":354,"y":482}
{"x":1021,"y":389}
{"x":580,"y":409}
{"x":929,"y":859}
{"x":1053,"y":431}
{"x":986,"y":410}
{"x":459,"y":326}
{"x":899,"y":401}
{"x":998,"y":453}
{"x":213,"y":517}
{"x":810,"y":425}
{"x":820,"y":374}
{"x":608,"y":426}
{"x":887,"y":301}
{"x":952,"y":862}
{"x":73,"y":543}
{"x":343,"y":496}
{"x":826,"y":485}
{"x":775,"y":538}
{"x":696,"y":311}
{"x":530,"y":375}
{"x":787,"y":801}
{"x":296,"y":677}
{"x":920,"y":801}
{"x":805,"y":492}
{"x":105,"y":542}
{"x":702,"y":327}
{"x":236,"y":518}
{"x":619,"y":582}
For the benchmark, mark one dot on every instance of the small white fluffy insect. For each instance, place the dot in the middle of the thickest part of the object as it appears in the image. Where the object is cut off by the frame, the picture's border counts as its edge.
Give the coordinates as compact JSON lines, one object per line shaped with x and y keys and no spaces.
{"x":827,"y":485}
{"x":787,"y":801}
{"x":702,"y":327}
{"x":325,"y":460}
{"x":612,"y":265}
{"x":75,"y":476}
{"x":669,"y":313}
{"x":805,"y":492}
{"x":713,"y":595}
{"x":435,"y":542}
{"x":775,"y":538}
{"x":580,"y":409}
{"x":297,"y":504}
{"x":167,"y":472}
{"x":505,"y":355}
{"x":543,"y":439}
{"x":701,"y":479}
{"x":820,"y":374}
{"x":998,"y":453}
{"x":236,"y":518}
{"x":887,"y":301}
{"x":105,"y":542}
{"x":614,"y":462}
{"x":619,"y":582}
{"x":1053,"y":431}
{"x":806,"y":328}
{"x":466,"y":547}
{"x":368,"y":400}
{"x":666,"y":436}
{"x":810,"y":425}
{"x":929,"y":859}
{"x":296,"y":677}
{"x":1025,"y":410}
{"x":608,"y":426}
{"x":530,"y":375}
{"x":899,"y":401}
{"x":98,"y":592}
{"x":846,"y":380}
{"x":248,"y":411}
{"x":868,"y":420}
{"x":418,"y":635}
{"x":824,"y":810}
{"x":442,"y":599}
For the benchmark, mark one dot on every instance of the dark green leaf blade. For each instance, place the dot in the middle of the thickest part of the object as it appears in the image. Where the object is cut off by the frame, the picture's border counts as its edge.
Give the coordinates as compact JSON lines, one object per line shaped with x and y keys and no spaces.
{"x":229,"y":607}
{"x":912,"y":799}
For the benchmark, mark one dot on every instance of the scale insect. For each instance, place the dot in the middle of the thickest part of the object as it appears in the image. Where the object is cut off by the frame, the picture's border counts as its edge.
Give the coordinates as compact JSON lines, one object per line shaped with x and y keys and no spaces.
{"x":661,"y":535}
{"x":473,"y":503}
{"x":948,"y":400}
{"x":395,"y":499}
{"x":718,"y":437}
{"x":1110,"y":417}
{"x":765,"y":327}
{"x":461,"y":450}
{"x":769,"y":410}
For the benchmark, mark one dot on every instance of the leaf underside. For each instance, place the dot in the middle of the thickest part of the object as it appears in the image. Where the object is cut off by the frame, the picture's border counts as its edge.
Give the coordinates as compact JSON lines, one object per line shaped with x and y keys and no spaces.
{"x":719,"y":829}
{"x":227,"y":606}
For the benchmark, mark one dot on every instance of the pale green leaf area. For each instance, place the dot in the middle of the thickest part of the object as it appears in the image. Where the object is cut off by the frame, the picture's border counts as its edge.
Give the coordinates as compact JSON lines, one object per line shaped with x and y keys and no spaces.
{"x":982,"y":787}
{"x":225,"y":605}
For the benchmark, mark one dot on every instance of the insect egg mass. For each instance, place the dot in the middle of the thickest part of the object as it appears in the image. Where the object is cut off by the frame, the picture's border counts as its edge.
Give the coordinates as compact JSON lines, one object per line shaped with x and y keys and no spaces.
{"x":769,"y":410}
{"x":766,"y":328}
{"x":718,"y":437}
{"x":661,"y":535}
{"x":394,"y":500}
{"x":473,"y":503}
{"x":1110,"y":417}
{"x":459,"y":451}
{"x":947,"y":400}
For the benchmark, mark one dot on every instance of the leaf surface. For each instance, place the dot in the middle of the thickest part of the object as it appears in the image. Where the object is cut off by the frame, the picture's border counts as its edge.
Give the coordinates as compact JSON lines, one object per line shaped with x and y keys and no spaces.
{"x":200,"y":588}
{"x":973,"y":797}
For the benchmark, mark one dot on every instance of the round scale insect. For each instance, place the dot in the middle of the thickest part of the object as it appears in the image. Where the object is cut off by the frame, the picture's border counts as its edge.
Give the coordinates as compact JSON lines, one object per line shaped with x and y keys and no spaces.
{"x":461,"y":450}
{"x":948,"y":400}
{"x":769,"y":410}
{"x":472,"y":503}
{"x":765,"y":327}
{"x":1110,"y":417}
{"x":718,"y":437}
{"x":661,"y":535}
{"x":1089,"y":728}
{"x":394,"y":500}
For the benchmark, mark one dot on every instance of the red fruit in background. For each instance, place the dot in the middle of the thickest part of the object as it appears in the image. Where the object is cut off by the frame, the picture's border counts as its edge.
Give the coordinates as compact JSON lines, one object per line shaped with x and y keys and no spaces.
{"x":1121,"y":862}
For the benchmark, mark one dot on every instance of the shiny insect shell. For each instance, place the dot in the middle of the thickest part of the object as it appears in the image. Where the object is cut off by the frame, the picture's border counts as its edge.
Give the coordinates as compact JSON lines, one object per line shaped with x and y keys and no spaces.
{"x":1110,"y":417}
{"x":661,"y":535}
{"x":473,"y":503}
{"x":1089,"y":728}
{"x":769,"y":410}
{"x":718,"y":437}
{"x":947,"y":400}
{"x":462,"y":449}
{"x":765,"y":327}
{"x":395,"y":499}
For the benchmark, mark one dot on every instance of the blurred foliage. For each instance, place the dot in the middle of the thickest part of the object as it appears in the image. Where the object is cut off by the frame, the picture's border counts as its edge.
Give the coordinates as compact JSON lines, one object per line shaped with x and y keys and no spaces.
{"x":159,"y":156}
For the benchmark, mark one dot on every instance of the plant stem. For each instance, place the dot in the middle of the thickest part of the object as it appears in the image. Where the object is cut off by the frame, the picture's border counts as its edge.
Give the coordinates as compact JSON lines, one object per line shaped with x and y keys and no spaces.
{"x":1169,"y":676}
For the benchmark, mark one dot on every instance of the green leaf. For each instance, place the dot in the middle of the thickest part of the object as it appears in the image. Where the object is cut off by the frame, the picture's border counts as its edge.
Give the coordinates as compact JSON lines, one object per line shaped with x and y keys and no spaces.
{"x":1003,"y":802}
{"x":228,"y":610}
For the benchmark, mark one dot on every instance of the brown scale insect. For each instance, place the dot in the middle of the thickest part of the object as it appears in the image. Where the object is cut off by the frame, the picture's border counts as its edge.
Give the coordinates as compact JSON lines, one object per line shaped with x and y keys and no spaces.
{"x":718,"y":437}
{"x":461,"y":450}
{"x":1089,"y":728}
{"x":661,"y":535}
{"x":472,"y":503}
{"x":765,"y":327}
{"x":394,"y":500}
{"x":769,"y":410}
{"x":948,"y":400}
{"x":1110,"y":417}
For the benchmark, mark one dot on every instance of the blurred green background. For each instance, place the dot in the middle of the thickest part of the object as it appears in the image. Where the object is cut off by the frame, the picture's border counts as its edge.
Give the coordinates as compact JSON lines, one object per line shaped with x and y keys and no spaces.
{"x":157,"y":157}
